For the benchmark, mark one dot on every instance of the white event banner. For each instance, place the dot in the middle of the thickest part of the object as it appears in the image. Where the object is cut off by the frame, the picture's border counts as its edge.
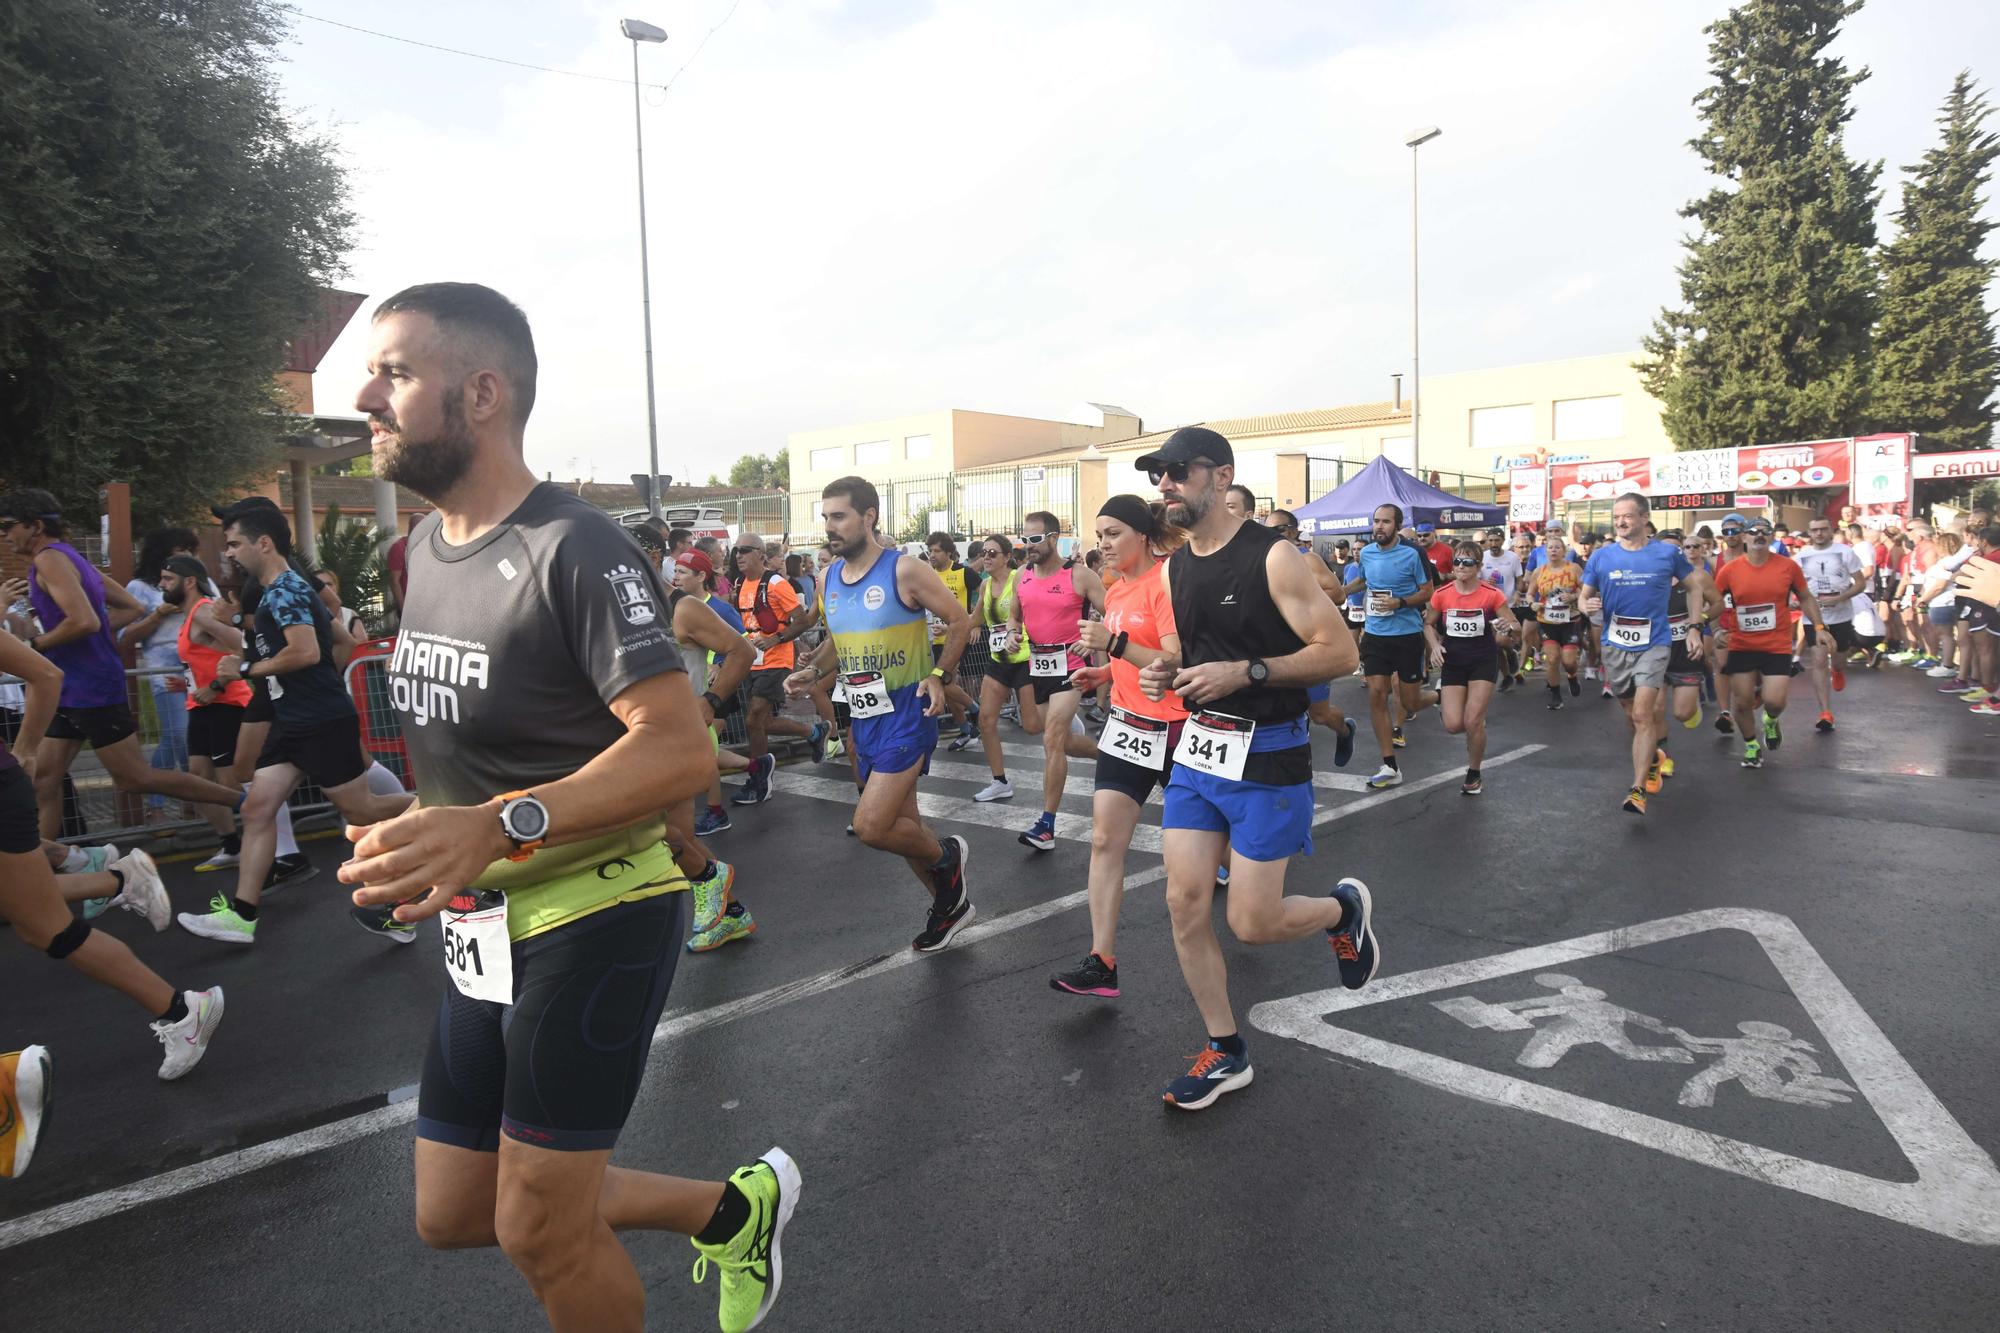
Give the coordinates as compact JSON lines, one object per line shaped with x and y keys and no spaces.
{"x":1694,"y":472}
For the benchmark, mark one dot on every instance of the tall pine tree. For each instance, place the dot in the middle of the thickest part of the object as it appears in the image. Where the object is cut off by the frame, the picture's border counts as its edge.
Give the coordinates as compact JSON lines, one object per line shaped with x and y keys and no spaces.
{"x":1778,"y":286}
{"x":1936,"y":366}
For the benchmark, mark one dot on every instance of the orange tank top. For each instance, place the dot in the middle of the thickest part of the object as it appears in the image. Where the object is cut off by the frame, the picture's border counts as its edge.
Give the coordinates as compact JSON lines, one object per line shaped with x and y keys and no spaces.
{"x":200,"y":663}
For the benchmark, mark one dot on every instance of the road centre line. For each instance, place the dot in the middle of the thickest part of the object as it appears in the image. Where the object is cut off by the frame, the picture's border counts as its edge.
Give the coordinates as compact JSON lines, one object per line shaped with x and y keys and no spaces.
{"x":184,"y":1180}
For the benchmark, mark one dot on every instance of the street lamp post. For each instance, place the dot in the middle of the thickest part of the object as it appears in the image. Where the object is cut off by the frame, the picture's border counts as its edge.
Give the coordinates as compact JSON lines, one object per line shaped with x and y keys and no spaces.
{"x":645,"y":32}
{"x":1416,"y":140}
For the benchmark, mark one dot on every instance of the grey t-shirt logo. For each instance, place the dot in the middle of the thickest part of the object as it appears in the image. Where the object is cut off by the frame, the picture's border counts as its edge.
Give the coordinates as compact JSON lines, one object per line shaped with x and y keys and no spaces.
{"x":634,"y":598}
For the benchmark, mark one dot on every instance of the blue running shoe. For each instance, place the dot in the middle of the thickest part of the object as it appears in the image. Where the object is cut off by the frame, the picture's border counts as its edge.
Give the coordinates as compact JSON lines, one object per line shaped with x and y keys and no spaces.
{"x":756,"y":786}
{"x":1354,"y":943}
{"x":1042,"y":837}
{"x":816,"y":740}
{"x":710,"y":822}
{"x":1222,"y":876}
{"x":1343,"y":748}
{"x":1214,"y":1072}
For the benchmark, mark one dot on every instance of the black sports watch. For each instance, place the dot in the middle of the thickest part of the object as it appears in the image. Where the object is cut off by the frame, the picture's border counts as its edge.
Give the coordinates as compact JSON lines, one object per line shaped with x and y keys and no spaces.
{"x":714,"y":702}
{"x":1260,"y":675}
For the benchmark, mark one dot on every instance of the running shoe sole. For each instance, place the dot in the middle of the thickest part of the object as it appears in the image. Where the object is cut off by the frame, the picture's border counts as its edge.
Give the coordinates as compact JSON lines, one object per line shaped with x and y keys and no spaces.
{"x":35,"y":1094}
{"x":790,"y":1183}
{"x":951,"y":931}
{"x":220,"y":861}
{"x":1046,"y":843}
{"x":197,"y":924}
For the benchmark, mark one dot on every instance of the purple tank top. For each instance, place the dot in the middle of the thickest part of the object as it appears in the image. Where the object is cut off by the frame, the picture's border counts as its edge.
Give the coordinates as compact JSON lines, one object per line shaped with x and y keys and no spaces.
{"x":93,"y":675}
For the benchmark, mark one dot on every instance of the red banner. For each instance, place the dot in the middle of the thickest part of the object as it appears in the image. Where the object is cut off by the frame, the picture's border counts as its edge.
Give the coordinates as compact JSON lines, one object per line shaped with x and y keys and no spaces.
{"x":1790,"y":467}
{"x":1811,"y":465}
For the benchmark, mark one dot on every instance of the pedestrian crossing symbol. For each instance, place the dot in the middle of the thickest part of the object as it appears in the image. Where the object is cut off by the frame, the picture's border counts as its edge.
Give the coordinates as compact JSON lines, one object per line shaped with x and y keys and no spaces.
{"x":1956,"y":1192}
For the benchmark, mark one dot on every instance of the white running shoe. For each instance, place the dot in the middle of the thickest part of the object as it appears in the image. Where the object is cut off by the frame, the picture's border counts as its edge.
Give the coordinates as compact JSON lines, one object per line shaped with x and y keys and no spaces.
{"x":1385,"y":777}
{"x":220,"y":860}
{"x":997,"y":790}
{"x":1941,"y":672}
{"x":145,"y":893}
{"x":96,"y":860}
{"x":187,"y":1040}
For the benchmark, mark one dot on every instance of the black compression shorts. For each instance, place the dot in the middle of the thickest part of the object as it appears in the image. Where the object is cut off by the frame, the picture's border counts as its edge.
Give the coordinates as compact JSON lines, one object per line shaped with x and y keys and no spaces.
{"x":560,"y":1067}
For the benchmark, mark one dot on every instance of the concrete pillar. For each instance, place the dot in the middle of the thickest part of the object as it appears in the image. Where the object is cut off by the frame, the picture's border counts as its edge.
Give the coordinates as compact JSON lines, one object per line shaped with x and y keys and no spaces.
{"x":1093,"y":488}
{"x":1291,"y":484}
{"x":304,"y":540}
{"x":388,"y":522}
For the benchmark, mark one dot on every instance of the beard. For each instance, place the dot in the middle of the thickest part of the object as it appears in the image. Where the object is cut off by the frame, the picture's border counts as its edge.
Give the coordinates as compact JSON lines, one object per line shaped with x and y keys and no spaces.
{"x":1190,"y":509}
{"x":174,"y":598}
{"x":433,"y":467}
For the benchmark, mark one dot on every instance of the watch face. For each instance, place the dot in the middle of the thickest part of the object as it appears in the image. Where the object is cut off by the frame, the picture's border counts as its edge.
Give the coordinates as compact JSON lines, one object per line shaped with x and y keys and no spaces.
{"x":527,"y":820}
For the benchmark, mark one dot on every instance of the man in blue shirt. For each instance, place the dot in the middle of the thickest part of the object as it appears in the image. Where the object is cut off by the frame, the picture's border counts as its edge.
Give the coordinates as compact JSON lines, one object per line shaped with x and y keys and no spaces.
{"x":1398,"y":579}
{"x":1626,"y":588}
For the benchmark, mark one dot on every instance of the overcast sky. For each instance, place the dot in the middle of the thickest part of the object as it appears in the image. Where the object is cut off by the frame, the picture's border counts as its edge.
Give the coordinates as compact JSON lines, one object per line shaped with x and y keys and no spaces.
{"x":864,"y":208}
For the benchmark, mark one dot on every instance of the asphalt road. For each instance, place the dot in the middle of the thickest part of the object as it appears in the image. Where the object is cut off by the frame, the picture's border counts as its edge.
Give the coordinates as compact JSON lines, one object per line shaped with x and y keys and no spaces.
{"x":981,"y":1152}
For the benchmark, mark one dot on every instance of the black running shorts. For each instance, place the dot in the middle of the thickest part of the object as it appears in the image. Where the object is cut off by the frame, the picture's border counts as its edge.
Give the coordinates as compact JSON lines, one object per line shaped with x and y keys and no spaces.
{"x":1136,"y":780}
{"x":1400,"y":655}
{"x":212,"y":732}
{"x":93,"y":726}
{"x":261,"y":708}
{"x":19,"y":831}
{"x":1841,"y":632}
{"x":1564,"y":634}
{"x":1013,"y":675}
{"x":329,"y":754}
{"x":1763,"y":664}
{"x":560,"y":1067}
{"x":1464,"y":673}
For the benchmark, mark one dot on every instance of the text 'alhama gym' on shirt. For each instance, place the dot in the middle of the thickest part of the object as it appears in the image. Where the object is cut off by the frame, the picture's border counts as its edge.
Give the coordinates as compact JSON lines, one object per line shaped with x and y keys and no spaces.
{"x":512,"y":648}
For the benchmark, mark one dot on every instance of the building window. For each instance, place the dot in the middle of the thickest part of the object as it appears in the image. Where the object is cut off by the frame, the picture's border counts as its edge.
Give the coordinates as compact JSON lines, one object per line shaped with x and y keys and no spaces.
{"x":1590,"y":418}
{"x":916,"y":446}
{"x":871,"y":454}
{"x":1397,"y":449}
{"x":1502,"y":427}
{"x":827,"y":460}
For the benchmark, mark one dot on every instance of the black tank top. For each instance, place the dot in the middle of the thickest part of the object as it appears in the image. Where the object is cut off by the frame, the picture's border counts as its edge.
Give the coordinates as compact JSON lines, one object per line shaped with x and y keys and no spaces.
{"x":1224,"y":613}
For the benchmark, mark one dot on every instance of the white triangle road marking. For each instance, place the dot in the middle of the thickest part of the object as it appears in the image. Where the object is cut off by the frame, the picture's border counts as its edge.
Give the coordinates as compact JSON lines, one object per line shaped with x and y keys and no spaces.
{"x":1957,"y":1190}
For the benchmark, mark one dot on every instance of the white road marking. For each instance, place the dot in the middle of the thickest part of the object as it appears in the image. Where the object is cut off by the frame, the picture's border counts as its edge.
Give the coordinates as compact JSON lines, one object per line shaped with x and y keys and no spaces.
{"x":171,"y":1184}
{"x":1957,"y":1190}
{"x":1026,"y":783}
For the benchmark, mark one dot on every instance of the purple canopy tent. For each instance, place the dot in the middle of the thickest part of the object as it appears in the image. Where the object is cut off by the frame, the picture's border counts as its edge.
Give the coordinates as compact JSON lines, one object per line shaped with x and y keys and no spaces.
{"x":1350,"y":507}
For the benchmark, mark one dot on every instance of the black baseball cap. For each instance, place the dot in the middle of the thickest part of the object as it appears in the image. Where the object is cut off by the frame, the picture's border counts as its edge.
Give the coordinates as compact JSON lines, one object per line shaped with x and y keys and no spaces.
{"x":187,"y":567}
{"x":1185,"y":446}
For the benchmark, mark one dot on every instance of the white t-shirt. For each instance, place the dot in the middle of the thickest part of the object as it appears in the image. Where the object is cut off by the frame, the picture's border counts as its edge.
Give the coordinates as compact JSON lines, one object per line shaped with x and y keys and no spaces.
{"x":1828,"y":572}
{"x":161,"y":648}
{"x":1502,"y":569}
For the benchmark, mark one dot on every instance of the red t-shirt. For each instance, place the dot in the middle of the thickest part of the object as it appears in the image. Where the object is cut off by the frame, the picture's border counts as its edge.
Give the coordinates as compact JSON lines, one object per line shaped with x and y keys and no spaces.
{"x":1761,"y":600}
{"x":1440,"y":555}
{"x":1465,"y":620}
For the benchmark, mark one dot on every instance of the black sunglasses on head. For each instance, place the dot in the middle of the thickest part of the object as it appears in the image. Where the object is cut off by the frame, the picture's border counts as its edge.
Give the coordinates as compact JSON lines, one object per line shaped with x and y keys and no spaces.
{"x":1178,"y":471}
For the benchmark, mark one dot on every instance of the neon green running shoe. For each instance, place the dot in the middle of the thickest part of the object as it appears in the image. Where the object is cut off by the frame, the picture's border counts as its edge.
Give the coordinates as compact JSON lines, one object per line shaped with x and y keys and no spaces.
{"x":220,"y":922}
{"x":723,"y":929}
{"x":749,"y":1261}
{"x":711,"y":895}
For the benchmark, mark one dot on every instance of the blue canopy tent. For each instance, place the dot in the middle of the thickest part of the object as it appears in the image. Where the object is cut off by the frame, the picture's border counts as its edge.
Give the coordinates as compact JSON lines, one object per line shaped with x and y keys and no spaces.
{"x":1350,"y":507}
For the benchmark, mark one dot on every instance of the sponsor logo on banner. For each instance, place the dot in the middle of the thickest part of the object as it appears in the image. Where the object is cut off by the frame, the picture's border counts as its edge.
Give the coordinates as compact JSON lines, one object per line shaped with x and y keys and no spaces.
{"x":1784,"y":467}
{"x":1528,"y":495}
{"x":1882,"y":469}
{"x":1573,"y":482}
{"x":1694,"y":472}
{"x":1951,"y":467}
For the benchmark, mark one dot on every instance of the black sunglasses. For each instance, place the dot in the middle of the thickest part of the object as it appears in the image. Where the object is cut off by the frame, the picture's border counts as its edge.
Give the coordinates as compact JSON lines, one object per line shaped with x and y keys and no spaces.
{"x":749,"y":550}
{"x":1460,"y":562}
{"x":1759,"y":529}
{"x":1178,"y":471}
